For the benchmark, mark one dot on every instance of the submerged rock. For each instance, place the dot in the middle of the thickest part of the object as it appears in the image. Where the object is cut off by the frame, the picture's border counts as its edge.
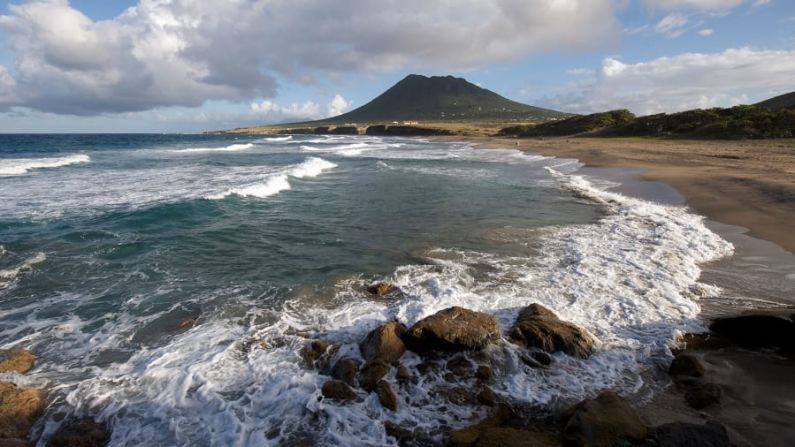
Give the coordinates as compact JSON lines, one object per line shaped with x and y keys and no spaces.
{"x":16,"y":360}
{"x":758,"y":330}
{"x":80,"y":433}
{"x":461,"y":367}
{"x":371,"y":373}
{"x":484,"y":374}
{"x":603,"y":422}
{"x":686,"y":365}
{"x":346,"y":369}
{"x":315,"y":351}
{"x":486,"y":396}
{"x":384,"y":343}
{"x":337,"y":389}
{"x":703,"y":395}
{"x":681,"y":434}
{"x":403,"y":374}
{"x":453,"y":329}
{"x":386,"y":396}
{"x":538,"y":327}
{"x":19,"y":410}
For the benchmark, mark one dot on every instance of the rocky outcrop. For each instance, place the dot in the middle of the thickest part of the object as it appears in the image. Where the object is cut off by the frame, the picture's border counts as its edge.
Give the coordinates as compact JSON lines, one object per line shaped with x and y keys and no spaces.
{"x":468,"y":436}
{"x":406,"y":131}
{"x":763,"y":330}
{"x":680,"y":434}
{"x":16,"y":360}
{"x":539,"y":327}
{"x":384,"y":343}
{"x":337,"y":389}
{"x":512,"y":437}
{"x":371,"y":373}
{"x":604,"y":421}
{"x":686,"y":365}
{"x":19,"y":409}
{"x":453,"y":329}
{"x":381,"y":289}
{"x":344,"y":130}
{"x":81,"y":433}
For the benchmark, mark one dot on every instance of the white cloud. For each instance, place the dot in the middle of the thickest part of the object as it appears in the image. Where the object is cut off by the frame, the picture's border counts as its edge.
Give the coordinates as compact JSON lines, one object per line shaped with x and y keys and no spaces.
{"x":580,"y":72}
{"x":185,"y":52}
{"x":7,"y":88}
{"x":706,"y":32}
{"x":759,"y":3}
{"x":671,"y":25}
{"x":337,"y":106}
{"x":272,"y":112}
{"x":681,"y":82}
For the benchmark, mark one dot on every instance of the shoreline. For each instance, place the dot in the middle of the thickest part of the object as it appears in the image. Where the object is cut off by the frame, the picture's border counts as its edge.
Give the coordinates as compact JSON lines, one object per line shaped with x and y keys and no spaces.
{"x":742,"y":183}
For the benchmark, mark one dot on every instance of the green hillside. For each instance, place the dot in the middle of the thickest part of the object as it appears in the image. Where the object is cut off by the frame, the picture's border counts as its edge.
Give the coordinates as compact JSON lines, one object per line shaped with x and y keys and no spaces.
{"x":784,"y":101}
{"x":572,"y":126}
{"x":442,"y":98}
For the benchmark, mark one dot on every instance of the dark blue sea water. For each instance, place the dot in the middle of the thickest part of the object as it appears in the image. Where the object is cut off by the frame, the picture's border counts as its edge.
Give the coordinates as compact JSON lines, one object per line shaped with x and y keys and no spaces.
{"x":167,"y":282}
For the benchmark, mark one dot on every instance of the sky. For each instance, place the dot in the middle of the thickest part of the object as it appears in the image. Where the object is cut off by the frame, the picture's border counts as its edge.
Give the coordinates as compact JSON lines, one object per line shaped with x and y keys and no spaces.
{"x":193,"y":65}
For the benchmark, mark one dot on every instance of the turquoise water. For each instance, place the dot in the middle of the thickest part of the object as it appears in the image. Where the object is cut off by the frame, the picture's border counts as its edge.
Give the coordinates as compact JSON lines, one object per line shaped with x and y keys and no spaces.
{"x":141,"y":269}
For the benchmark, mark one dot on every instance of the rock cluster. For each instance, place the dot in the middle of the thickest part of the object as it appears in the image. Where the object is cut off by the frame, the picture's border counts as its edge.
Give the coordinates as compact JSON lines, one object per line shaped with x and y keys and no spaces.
{"x":539,"y":327}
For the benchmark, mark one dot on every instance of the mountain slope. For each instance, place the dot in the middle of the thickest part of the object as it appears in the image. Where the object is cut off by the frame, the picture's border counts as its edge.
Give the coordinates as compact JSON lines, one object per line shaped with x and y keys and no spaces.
{"x":784,"y":101}
{"x":441,"y":98}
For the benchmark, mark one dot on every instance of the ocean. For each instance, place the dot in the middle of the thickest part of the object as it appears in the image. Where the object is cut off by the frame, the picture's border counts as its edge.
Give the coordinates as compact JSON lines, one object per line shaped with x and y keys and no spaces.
{"x":168,"y":282}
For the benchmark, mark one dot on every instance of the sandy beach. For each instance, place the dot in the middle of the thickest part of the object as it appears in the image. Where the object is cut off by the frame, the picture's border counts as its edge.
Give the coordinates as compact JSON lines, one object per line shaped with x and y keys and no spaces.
{"x":745,"y":183}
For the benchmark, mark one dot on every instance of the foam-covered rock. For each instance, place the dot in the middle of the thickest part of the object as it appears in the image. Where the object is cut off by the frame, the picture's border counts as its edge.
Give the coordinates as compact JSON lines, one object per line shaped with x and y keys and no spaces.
{"x":337,"y":389}
{"x":384,"y":343}
{"x":16,"y":360}
{"x":453,"y":329}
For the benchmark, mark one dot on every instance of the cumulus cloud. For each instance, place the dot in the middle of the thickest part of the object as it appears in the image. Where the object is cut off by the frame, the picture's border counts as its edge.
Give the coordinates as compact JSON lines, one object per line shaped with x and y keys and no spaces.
{"x":337,"y":106}
{"x":7,"y":88}
{"x":685,"y":81}
{"x":270,"y":111}
{"x":185,"y":52}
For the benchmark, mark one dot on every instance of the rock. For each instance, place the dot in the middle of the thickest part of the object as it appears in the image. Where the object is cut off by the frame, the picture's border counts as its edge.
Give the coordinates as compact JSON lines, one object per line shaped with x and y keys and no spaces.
{"x":16,"y":360}
{"x":461,"y":367}
{"x":371,"y":373}
{"x":80,"y":433}
{"x":337,"y":389}
{"x":453,"y":329}
{"x":681,"y":434}
{"x":486,"y":396}
{"x":187,"y":324}
{"x":381,"y":289}
{"x":386,"y":396}
{"x":346,"y":369}
{"x":345,"y":130}
{"x":758,"y":330}
{"x":13,"y":442}
{"x":468,"y":436}
{"x":538,"y":327}
{"x":699,"y":342}
{"x":316,"y":351}
{"x":703,"y":395}
{"x":603,"y":422}
{"x":403,"y":374}
{"x":396,"y":431}
{"x":384,"y":343}
{"x":321,"y":130}
{"x":511,"y":437}
{"x":19,"y":409}
{"x":536,"y":359}
{"x":686,"y":365}
{"x":484,"y":374}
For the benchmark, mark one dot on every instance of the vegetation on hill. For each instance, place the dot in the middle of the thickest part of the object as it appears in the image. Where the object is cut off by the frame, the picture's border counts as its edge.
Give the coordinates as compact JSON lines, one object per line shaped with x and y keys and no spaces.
{"x":572,"y":126}
{"x":784,"y":101}
{"x":444,"y":98}
{"x":740,"y":122}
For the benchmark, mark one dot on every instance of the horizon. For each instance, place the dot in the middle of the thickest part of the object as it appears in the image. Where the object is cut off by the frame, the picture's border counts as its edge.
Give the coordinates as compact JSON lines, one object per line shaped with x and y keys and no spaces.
{"x":181,"y":66}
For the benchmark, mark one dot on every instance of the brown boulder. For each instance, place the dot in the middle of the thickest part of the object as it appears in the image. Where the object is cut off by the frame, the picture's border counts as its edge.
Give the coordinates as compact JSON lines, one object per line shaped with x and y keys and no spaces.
{"x":773,"y":330}
{"x":403,"y":374}
{"x":511,"y":437}
{"x":19,"y":409}
{"x":486,"y":396}
{"x":703,"y":395}
{"x":686,"y":365}
{"x":80,"y":433}
{"x":371,"y":373}
{"x":384,"y":343}
{"x":16,"y":360}
{"x":603,"y":422}
{"x":484,"y":374}
{"x":386,"y":396}
{"x":381,"y":289}
{"x":317,"y":354}
{"x":337,"y":389}
{"x":468,"y":436}
{"x":346,"y":369}
{"x":538,"y":327}
{"x":453,"y":329}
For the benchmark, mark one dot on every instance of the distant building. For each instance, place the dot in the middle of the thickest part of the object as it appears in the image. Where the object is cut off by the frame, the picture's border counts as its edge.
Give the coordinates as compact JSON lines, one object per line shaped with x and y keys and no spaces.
{"x":410,"y":123}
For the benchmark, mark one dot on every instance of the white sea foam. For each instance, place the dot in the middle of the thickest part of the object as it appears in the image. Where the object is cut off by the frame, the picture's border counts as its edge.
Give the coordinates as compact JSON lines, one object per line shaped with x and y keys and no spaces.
{"x":628,"y":278}
{"x":231,"y":148}
{"x":276,"y":183}
{"x":20,"y":166}
{"x":276,"y":139}
{"x":26,"y":265}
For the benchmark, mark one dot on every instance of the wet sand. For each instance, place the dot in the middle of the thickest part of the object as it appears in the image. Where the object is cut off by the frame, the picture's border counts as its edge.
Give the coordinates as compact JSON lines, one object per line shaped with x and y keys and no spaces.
{"x":745,"y":183}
